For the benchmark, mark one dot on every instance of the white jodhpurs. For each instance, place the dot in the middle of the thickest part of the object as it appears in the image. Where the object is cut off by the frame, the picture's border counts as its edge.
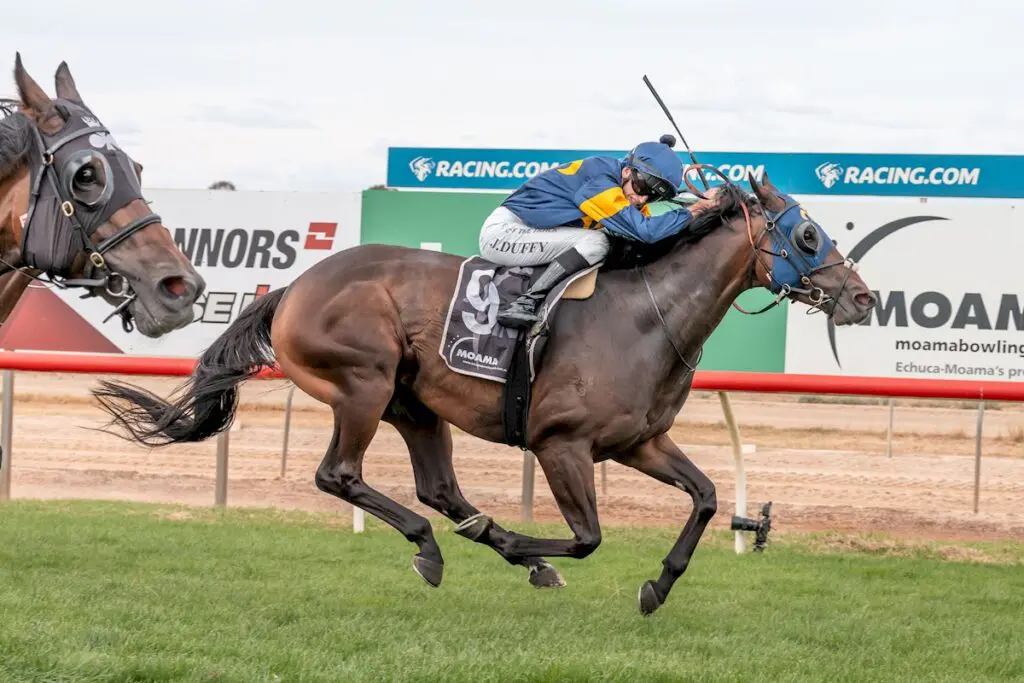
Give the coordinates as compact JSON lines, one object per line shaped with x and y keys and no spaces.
{"x":506,"y":240}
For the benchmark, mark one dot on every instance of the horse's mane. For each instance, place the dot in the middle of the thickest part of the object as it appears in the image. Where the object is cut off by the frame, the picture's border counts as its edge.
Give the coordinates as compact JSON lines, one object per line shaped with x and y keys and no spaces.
{"x":626,"y":253}
{"x":15,"y":137}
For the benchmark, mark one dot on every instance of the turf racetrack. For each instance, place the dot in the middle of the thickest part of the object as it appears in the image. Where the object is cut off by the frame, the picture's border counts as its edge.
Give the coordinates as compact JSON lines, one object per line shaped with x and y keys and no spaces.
{"x":120,"y":592}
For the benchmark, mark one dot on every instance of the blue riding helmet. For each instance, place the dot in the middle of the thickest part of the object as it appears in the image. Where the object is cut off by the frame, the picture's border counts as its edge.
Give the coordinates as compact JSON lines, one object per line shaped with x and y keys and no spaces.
{"x":657,"y":171}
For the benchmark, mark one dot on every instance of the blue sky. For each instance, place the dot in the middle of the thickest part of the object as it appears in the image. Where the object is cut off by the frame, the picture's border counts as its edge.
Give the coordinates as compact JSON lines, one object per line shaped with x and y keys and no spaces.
{"x":309,"y":95}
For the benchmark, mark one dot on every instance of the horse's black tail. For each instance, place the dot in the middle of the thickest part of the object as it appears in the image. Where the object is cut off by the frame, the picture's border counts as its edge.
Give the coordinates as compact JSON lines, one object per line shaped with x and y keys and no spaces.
{"x":205,"y":404}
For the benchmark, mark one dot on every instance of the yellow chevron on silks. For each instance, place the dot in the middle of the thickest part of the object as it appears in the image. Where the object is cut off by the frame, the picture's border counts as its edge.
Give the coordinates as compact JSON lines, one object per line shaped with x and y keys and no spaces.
{"x":605,"y":204}
{"x":572,"y":168}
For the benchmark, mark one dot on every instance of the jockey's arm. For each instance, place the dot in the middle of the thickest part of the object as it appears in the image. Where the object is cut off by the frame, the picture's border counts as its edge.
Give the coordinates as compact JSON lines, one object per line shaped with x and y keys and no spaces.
{"x":606,"y":204}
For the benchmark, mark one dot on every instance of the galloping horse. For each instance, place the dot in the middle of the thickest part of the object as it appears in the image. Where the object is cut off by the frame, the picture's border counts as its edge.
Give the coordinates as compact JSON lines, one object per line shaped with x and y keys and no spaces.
{"x":72,"y":209}
{"x":360,"y":332}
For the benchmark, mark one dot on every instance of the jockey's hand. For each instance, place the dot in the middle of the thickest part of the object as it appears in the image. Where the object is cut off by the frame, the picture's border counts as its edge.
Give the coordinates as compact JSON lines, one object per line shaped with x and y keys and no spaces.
{"x":702,"y":205}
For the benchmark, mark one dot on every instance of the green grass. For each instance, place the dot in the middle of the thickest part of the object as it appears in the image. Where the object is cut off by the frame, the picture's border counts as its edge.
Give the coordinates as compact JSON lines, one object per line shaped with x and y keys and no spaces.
{"x":119,"y":592}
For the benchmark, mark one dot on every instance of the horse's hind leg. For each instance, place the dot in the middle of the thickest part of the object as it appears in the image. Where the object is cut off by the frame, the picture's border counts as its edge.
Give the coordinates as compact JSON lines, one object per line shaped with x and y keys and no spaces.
{"x":429,"y":440}
{"x":345,"y":352}
{"x":568,"y":466}
{"x":341,"y":474}
{"x":662,"y":459}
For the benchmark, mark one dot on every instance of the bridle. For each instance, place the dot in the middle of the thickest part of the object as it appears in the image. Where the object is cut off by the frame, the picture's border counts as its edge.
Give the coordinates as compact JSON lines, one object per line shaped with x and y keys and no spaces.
{"x":804,"y":268}
{"x":59,"y":158}
{"x":820,"y":301}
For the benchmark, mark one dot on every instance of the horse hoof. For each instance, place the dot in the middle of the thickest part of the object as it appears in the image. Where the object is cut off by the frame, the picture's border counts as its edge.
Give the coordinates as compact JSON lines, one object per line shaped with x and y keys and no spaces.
{"x":428,"y":570}
{"x":474,"y":527}
{"x":544,"y":575}
{"x":649,"y":600}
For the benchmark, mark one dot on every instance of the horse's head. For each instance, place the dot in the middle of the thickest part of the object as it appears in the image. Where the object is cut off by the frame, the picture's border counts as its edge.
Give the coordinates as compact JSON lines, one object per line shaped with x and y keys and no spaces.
{"x":79,"y":214}
{"x":796,"y":258}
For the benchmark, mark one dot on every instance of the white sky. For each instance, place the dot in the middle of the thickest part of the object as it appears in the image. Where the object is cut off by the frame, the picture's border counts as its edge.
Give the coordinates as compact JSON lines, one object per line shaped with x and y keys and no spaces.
{"x":304,"y":95}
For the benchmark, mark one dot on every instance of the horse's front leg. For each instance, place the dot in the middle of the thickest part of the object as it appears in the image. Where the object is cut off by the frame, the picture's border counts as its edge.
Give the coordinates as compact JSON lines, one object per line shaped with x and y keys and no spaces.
{"x":661,"y":458}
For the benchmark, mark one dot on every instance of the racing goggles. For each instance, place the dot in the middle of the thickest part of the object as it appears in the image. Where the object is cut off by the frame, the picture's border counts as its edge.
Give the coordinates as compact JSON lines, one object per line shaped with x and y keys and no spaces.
{"x":651,"y":186}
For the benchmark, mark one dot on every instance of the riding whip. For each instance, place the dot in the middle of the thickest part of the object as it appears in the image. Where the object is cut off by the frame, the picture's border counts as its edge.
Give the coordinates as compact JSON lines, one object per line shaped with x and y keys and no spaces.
{"x":693,"y":158}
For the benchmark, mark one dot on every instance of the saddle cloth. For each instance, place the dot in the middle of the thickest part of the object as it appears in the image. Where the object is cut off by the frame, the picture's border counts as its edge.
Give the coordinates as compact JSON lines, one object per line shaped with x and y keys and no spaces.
{"x":473,"y":343}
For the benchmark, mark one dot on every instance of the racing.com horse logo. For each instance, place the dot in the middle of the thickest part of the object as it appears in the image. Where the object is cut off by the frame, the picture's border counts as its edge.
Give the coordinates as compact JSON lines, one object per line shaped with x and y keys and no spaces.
{"x":828,"y":173}
{"x":421,"y":167}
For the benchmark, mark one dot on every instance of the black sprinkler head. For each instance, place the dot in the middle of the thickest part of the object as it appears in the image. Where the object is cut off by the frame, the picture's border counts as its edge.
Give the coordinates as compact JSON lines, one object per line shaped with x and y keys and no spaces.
{"x":759,"y":527}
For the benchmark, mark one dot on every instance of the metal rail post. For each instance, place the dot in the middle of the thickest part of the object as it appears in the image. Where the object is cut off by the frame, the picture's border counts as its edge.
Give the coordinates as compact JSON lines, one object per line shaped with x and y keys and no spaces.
{"x":977,"y":455}
{"x":741,"y":475}
{"x":287,"y":430}
{"x":527,"y":500}
{"x":221,"y":495}
{"x":7,"y":436}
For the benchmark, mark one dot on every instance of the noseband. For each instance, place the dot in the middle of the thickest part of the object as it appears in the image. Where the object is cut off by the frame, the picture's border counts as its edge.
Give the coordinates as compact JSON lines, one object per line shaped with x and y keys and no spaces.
{"x":49,"y":246}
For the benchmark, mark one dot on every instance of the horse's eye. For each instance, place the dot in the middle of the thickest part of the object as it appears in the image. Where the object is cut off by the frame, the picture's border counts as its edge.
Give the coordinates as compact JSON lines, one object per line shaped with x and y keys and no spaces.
{"x":806,"y":238}
{"x":85,"y":176}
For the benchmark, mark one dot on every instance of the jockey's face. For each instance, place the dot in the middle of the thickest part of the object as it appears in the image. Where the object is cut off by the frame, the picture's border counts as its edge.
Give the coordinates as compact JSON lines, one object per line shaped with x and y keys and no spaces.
{"x":637,"y":200}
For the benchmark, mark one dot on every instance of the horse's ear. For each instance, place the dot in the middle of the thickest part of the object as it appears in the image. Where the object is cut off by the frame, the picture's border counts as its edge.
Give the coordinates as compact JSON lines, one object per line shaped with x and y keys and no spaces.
{"x":32,"y":96}
{"x":66,"y":88}
{"x":767,"y":184}
{"x":34,"y":99}
{"x":766,"y":193}
{"x":758,"y":190}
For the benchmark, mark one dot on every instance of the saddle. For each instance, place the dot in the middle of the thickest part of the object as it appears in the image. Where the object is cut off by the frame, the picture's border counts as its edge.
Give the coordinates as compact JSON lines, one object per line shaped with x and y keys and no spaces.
{"x":473,"y":343}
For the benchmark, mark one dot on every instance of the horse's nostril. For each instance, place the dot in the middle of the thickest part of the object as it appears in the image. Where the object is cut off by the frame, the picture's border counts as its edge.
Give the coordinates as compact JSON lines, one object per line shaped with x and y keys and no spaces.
{"x":865,"y":299}
{"x":174,"y":287}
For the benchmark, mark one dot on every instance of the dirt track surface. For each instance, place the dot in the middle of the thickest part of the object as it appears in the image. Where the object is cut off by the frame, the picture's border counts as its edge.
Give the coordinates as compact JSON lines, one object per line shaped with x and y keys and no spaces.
{"x":824,"y":465}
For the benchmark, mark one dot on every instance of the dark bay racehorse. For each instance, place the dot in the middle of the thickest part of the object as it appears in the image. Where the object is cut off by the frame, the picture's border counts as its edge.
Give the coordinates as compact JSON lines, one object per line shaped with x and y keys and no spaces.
{"x":72,"y":209}
{"x":360,"y":331}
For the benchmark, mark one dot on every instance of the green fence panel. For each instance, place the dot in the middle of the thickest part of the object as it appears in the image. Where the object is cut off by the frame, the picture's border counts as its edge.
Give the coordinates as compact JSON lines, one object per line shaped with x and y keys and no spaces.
{"x":410,"y":219}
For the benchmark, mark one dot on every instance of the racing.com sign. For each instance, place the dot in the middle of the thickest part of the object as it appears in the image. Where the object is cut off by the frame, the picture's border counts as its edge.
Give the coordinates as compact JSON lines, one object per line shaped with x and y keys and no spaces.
{"x":424,"y":167}
{"x":912,"y":175}
{"x":830,"y":173}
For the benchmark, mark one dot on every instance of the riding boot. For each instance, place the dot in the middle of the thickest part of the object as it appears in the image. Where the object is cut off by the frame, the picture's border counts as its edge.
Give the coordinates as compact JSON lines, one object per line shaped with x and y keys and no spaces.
{"x":522,"y":312}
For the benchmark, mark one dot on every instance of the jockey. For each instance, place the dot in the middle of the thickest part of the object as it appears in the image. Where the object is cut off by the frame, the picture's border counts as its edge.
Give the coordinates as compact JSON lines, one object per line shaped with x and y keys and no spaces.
{"x":560,"y":217}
